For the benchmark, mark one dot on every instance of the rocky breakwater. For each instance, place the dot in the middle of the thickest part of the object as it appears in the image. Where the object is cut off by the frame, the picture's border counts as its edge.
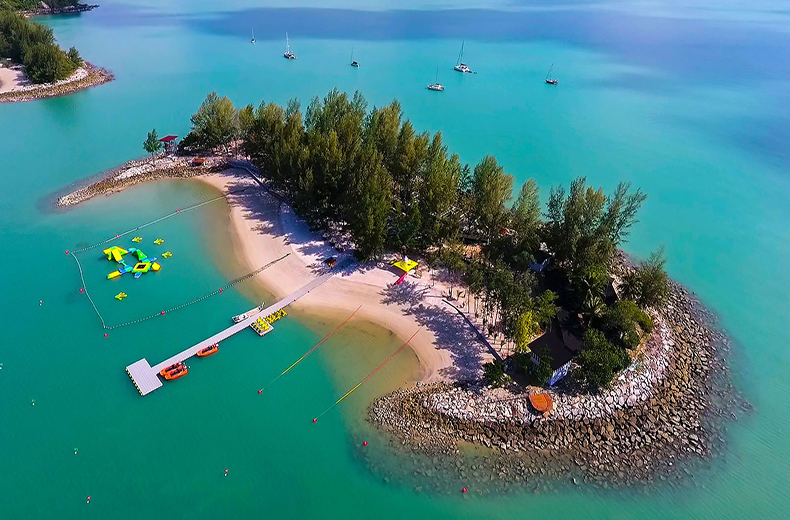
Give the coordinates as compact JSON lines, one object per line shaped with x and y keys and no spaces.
{"x":142,"y":170}
{"x":84,"y":77}
{"x":662,"y":414}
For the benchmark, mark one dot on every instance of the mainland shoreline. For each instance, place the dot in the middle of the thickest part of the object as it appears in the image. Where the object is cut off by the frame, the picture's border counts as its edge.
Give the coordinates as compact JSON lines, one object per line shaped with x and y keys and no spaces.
{"x":667,"y":411}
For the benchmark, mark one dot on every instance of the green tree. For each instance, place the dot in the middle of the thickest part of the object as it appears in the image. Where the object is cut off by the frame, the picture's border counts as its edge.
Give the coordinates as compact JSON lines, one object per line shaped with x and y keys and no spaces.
{"x":152,"y":144}
{"x":527,"y":327}
{"x":452,"y":257}
{"x":526,"y":210}
{"x":599,"y":360}
{"x":373,"y":203}
{"x":545,"y":307}
{"x":648,"y":284}
{"x":213,"y":125}
{"x":46,"y":63}
{"x":74,"y":57}
{"x":625,"y":323}
{"x":584,"y":226}
{"x":492,"y":188}
{"x":494,"y":373}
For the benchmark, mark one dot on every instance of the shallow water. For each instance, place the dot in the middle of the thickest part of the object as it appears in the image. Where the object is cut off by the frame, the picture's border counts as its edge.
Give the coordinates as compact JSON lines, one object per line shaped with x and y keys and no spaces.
{"x":686,"y":101}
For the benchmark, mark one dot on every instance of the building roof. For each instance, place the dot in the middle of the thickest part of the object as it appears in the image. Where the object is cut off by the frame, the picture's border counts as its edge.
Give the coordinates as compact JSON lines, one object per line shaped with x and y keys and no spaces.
{"x":560,"y":340}
{"x":168,"y":138}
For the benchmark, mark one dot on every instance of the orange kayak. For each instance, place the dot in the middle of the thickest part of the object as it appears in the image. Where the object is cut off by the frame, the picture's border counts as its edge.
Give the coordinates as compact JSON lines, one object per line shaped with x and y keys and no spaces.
{"x":172,"y":367}
{"x":175,"y":374}
{"x":211,"y":349}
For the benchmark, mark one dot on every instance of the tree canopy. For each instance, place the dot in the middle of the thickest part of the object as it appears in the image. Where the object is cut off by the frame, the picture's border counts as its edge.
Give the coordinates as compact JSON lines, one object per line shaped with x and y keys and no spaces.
{"x":33,"y":45}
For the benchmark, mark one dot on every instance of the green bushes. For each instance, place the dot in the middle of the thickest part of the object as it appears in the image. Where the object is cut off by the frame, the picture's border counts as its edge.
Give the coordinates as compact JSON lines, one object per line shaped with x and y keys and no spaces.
{"x":599,"y":360}
{"x":33,"y":46}
{"x":494,"y":373}
{"x":625,"y":323}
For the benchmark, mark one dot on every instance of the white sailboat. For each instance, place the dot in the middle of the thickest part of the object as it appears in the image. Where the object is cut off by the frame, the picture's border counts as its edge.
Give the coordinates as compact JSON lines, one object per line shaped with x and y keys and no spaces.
{"x":436,"y":85}
{"x":460,"y":66}
{"x":550,"y":80}
{"x":354,"y":63}
{"x":253,"y":36}
{"x":288,"y":55}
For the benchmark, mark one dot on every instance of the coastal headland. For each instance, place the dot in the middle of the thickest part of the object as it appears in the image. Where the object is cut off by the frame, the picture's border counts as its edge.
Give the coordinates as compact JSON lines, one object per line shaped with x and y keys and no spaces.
{"x":667,"y":409}
{"x":14,"y":86}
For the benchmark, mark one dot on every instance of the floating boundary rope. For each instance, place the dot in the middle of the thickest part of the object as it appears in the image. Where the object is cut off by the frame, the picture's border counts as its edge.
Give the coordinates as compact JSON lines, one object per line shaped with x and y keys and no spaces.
{"x":74,"y":253}
{"x":311,"y":350}
{"x":177,"y":307}
{"x":369,"y":375}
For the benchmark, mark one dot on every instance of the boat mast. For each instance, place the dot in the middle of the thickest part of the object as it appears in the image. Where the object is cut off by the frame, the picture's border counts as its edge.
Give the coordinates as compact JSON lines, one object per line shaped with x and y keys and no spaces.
{"x":549,"y":72}
{"x":461,"y":54}
{"x":287,"y":44}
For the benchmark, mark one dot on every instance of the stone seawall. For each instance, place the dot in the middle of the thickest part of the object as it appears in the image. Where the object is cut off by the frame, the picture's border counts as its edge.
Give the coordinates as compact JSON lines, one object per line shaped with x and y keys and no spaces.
{"x":84,"y":77}
{"x":669,"y":407}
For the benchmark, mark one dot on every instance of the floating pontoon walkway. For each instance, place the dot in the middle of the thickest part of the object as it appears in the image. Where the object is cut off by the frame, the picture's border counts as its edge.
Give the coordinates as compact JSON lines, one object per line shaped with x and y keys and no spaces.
{"x":146,"y":377}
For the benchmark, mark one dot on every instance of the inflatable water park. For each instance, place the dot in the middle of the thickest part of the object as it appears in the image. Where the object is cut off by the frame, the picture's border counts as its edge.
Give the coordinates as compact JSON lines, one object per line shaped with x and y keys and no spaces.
{"x":142,"y":263}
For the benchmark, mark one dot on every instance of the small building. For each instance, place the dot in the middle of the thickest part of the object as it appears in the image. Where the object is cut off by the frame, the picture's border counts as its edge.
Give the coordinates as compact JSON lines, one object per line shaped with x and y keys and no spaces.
{"x":562,"y":343}
{"x":170,"y":142}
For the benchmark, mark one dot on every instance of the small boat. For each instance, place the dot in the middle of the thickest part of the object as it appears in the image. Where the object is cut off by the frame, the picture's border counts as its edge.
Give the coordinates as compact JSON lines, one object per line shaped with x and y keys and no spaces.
{"x":354,"y":63}
{"x":159,"y":241}
{"x":137,"y":239}
{"x":121,"y":295}
{"x":178,"y":372}
{"x":549,"y":80}
{"x":172,"y":367}
{"x":253,"y":36}
{"x":436,"y":85}
{"x":211,"y":349}
{"x":460,"y":66}
{"x":288,"y":55}
{"x":542,"y":403}
{"x":243,"y":316}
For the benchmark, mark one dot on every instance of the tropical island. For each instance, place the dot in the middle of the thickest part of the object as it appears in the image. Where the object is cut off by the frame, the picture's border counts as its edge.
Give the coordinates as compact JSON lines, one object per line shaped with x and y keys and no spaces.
{"x":33,"y":66}
{"x":536,"y":335}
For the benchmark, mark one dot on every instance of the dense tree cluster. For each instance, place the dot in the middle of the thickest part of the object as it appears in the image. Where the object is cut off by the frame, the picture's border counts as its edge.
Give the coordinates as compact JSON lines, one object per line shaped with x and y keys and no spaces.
{"x":368,"y":172}
{"x":33,"y":45}
{"x":30,"y":5}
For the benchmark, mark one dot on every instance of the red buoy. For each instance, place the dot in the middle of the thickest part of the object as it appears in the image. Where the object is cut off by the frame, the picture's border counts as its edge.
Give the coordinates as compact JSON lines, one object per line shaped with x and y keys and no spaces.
{"x":163,"y":313}
{"x":260,"y":391}
{"x":220,"y":290}
{"x":365,"y":443}
{"x":116,"y":236}
{"x":106,"y":335}
{"x":89,"y":500}
{"x":82,"y":290}
{"x":178,"y":211}
{"x":463,"y":490}
{"x":315,"y":420}
{"x":67,"y":251}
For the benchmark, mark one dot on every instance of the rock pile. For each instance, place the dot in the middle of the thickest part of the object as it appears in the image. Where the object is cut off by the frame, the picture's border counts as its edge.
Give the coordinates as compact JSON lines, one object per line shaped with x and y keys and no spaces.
{"x":142,"y":170}
{"x":666,"y":408}
{"x":86,"y":76}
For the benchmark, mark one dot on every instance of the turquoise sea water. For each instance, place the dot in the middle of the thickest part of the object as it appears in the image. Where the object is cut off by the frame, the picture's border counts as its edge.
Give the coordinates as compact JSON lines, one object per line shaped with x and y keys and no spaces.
{"x":686,"y":101}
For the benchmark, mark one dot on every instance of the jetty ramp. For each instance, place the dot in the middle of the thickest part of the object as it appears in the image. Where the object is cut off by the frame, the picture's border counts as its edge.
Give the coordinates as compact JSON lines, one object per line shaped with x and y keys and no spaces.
{"x":146,"y":377}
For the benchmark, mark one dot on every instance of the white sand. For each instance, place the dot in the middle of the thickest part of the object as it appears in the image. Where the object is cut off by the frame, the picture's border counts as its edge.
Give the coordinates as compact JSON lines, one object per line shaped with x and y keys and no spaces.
{"x":263,"y":229}
{"x":12,"y":78}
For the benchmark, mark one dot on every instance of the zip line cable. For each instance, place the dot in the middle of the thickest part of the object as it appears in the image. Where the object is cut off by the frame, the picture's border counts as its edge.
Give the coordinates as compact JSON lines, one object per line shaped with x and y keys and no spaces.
{"x":368,"y":376}
{"x":311,"y":350}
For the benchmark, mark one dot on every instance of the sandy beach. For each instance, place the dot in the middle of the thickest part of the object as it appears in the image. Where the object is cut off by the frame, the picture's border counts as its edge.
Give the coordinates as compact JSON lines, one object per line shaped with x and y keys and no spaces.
{"x":262,"y":228}
{"x":12,"y":78}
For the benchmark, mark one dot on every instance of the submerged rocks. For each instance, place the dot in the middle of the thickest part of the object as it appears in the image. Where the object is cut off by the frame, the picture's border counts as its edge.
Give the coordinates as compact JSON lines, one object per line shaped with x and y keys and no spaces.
{"x":659,"y":411}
